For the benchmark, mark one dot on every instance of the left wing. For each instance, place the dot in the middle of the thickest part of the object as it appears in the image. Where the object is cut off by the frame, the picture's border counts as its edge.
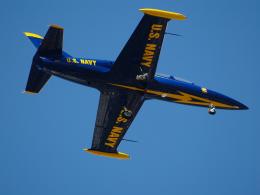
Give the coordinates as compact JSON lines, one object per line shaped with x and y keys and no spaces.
{"x":138,"y":59}
{"x":116,"y":111}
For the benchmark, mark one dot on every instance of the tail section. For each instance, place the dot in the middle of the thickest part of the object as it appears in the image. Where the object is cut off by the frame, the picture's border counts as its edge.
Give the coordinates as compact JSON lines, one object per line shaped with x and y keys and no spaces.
{"x":52,"y":43}
{"x":37,"y":79}
{"x":50,"y":47}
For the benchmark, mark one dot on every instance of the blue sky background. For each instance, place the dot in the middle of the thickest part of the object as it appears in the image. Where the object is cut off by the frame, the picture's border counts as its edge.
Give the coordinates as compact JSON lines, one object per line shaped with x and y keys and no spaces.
{"x":181,"y":150}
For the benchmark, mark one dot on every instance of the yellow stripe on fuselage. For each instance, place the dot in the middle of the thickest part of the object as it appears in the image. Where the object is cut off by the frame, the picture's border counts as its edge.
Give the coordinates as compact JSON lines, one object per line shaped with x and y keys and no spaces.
{"x":128,"y":87}
{"x":183,"y":98}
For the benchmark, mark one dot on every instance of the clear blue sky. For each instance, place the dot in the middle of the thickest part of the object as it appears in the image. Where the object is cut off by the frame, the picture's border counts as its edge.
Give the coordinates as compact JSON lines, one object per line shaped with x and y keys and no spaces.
{"x":181,"y":150}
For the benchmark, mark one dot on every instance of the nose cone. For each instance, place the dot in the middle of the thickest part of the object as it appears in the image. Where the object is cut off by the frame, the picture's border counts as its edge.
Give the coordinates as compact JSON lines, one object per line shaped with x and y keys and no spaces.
{"x":239,"y":105}
{"x":225,"y":100}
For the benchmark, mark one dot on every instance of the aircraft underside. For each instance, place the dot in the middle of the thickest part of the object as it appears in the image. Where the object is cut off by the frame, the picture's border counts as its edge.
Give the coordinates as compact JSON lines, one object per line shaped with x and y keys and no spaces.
{"x":124,"y":84}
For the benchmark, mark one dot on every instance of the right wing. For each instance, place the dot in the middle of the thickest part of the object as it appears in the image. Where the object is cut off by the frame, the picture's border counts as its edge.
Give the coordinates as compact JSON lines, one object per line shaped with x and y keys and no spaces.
{"x":116,"y":111}
{"x":141,"y":52}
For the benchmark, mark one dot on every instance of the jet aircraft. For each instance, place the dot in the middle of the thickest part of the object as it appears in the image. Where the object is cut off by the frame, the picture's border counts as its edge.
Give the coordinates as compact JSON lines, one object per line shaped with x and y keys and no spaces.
{"x":125,"y":83}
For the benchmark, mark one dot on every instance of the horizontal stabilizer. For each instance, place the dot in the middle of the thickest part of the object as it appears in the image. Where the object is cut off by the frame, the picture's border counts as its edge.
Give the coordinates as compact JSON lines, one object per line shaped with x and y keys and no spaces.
{"x":34,"y":38}
{"x":118,"y":155}
{"x":37,"y":79}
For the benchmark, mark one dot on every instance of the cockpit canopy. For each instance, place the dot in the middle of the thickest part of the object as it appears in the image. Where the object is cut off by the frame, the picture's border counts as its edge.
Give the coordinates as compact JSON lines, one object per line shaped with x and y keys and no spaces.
{"x":174,"y":78}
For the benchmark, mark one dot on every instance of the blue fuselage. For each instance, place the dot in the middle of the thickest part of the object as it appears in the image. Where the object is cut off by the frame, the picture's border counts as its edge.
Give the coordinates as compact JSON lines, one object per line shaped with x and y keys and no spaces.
{"x":96,"y":73}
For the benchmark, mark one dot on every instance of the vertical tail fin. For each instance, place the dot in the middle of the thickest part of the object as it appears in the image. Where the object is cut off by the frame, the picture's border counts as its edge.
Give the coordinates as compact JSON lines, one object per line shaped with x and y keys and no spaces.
{"x":51,"y":47}
{"x":52,"y":43}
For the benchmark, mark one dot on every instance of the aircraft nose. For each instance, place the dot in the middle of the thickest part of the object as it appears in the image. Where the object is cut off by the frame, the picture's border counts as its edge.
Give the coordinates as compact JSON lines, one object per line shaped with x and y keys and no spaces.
{"x":228,"y":101}
{"x":237,"y":104}
{"x":240,"y":105}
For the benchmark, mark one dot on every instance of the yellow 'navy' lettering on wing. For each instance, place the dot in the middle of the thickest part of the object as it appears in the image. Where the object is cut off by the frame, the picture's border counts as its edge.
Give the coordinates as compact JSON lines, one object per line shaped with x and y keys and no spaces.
{"x":116,"y":131}
{"x":148,"y":55}
{"x":150,"y":47}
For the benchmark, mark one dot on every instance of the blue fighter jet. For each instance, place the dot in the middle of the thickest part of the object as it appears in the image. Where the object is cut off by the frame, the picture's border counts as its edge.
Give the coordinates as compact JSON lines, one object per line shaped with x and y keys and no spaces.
{"x":125,"y":83}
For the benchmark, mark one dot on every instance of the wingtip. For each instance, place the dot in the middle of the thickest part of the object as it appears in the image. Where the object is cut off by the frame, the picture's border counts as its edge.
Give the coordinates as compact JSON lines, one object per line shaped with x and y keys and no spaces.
{"x":163,"y":14}
{"x":117,"y":155}
{"x":29,"y":92}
